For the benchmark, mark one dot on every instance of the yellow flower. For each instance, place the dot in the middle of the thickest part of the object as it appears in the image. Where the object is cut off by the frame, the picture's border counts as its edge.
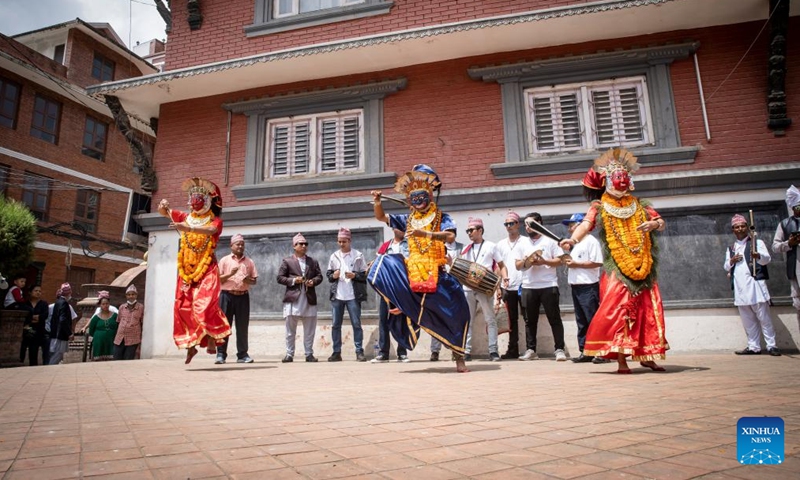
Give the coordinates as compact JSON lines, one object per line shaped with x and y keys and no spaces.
{"x":631,"y":249}
{"x":426,"y":255}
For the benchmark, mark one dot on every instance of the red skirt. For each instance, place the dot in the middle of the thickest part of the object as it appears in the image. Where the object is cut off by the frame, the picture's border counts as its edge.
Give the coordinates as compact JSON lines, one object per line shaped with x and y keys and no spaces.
{"x":197,"y":313}
{"x":626,"y":324}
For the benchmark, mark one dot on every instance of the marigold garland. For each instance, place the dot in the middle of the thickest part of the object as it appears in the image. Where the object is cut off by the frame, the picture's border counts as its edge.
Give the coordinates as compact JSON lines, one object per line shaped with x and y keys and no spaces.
{"x":631,"y":249}
{"x":426,"y":255}
{"x":195,"y":255}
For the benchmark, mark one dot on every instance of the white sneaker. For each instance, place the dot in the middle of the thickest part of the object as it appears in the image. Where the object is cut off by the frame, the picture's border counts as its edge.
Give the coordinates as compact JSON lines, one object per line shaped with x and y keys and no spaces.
{"x":379,"y":359}
{"x":403,"y":359}
{"x":529,"y":355}
{"x":560,"y":356}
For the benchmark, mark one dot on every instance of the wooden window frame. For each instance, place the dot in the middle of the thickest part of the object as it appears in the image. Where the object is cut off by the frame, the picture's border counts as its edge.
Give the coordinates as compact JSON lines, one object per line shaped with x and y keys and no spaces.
{"x":40,"y":131}
{"x":83,"y":207}
{"x":106,"y":68}
{"x":91,"y":150}
{"x":34,"y":190}
{"x":4,"y":83}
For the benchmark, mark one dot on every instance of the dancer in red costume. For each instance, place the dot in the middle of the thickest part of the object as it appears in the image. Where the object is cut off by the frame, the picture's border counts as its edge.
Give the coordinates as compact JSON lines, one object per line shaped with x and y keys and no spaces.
{"x":630,"y":320}
{"x":198,"y":318}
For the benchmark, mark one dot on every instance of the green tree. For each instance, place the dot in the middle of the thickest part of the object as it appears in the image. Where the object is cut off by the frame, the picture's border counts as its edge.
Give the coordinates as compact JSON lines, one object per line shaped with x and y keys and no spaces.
{"x":17,"y":235}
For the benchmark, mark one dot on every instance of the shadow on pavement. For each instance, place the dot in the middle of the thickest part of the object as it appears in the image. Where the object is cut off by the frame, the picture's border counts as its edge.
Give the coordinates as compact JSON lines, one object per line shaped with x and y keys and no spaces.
{"x":228,"y":369}
{"x":670,"y":369}
{"x":452,"y":369}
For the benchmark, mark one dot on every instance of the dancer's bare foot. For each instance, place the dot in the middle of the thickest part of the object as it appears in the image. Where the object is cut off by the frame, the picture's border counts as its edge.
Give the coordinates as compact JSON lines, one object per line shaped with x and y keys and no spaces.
{"x":461,"y":365}
{"x":653,"y":366}
{"x":190,"y":353}
{"x":622,"y":365}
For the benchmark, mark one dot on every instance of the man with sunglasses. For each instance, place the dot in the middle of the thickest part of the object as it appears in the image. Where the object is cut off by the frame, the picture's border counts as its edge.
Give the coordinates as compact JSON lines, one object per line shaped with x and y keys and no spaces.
{"x":508,"y":248}
{"x":483,"y":253}
{"x":347,"y":272}
{"x":300,"y":273}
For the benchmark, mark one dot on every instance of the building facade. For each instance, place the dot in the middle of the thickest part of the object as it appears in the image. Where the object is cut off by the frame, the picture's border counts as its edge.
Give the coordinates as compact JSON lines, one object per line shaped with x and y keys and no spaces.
{"x":297,"y":109}
{"x":62,"y":155}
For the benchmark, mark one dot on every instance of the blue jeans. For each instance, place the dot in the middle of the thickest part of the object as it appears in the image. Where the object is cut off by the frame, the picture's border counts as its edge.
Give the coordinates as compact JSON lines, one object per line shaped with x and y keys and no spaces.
{"x":354,"y":312}
{"x":586,"y":300}
{"x":384,"y":337}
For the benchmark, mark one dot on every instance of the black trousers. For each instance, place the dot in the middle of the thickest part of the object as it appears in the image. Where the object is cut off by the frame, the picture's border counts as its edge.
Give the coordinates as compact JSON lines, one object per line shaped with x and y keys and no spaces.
{"x":30,"y":346}
{"x":514,"y":305}
{"x":384,"y":337}
{"x":125,"y":352}
{"x":533,"y":298}
{"x":237,"y":309}
{"x":586,"y":300}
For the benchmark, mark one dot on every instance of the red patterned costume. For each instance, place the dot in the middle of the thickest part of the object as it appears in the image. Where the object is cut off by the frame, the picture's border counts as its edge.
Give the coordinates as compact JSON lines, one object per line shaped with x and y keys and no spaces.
{"x":630,"y":319}
{"x":198,"y":319}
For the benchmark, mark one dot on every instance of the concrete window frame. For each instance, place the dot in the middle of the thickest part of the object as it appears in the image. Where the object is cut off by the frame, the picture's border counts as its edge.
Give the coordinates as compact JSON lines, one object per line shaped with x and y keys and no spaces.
{"x":265,"y":21}
{"x":651,"y":62}
{"x":367,"y":97}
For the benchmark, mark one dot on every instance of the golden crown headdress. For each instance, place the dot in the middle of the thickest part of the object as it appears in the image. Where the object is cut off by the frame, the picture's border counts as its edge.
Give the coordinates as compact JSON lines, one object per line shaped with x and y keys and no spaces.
{"x":416,"y":180}
{"x":615,"y":159}
{"x":199,"y":185}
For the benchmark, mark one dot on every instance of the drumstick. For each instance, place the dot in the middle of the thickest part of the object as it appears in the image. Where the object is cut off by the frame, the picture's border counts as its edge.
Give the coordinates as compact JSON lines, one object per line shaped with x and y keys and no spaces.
{"x":541,"y":229}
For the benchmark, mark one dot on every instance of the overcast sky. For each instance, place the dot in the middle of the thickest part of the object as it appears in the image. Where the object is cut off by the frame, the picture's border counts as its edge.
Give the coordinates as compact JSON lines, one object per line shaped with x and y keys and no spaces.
{"x":136,"y":20}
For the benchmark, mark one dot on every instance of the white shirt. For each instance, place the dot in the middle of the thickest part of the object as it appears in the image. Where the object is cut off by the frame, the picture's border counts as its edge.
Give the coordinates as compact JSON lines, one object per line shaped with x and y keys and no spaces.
{"x":509,"y":251}
{"x":540,"y":276}
{"x":351,"y":261}
{"x":10,"y":296}
{"x":746,"y":289}
{"x":484,"y":254}
{"x":587,"y":250}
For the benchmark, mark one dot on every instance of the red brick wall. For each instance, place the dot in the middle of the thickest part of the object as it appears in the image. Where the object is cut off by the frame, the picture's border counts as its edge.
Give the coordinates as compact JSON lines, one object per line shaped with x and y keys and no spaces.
{"x":55,"y":270}
{"x":117,"y":168}
{"x":222,"y":36}
{"x":455,"y":123}
{"x":27,"y":55}
{"x":79,"y":56}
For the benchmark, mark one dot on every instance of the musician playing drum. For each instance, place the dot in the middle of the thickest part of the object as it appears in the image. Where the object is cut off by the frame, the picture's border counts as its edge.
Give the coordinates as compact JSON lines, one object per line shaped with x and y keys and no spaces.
{"x":429,"y":298}
{"x":485,"y":254}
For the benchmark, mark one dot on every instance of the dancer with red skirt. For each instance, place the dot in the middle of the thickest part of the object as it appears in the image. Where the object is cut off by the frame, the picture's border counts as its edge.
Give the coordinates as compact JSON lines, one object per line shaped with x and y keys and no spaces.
{"x":630,"y":319}
{"x":198,"y":318}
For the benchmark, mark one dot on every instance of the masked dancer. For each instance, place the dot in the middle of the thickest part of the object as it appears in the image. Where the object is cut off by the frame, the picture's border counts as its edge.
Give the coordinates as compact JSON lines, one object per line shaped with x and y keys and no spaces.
{"x":429,"y":298}
{"x":630,"y":319}
{"x":198,"y":318}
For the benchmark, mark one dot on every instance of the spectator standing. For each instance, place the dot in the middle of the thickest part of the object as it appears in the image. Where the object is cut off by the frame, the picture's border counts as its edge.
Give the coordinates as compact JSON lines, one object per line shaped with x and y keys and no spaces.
{"x":61,"y":320}
{"x":508,"y":248}
{"x":103,"y":328}
{"x":34,"y":333}
{"x":398,"y":245}
{"x":300,"y":274}
{"x":347,"y":272}
{"x":236,"y":274}
{"x":787,"y":237}
{"x":131,"y":320}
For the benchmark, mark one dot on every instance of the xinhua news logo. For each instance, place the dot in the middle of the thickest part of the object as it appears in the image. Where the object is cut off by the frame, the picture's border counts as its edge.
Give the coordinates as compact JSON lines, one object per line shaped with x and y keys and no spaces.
{"x":759,"y":440}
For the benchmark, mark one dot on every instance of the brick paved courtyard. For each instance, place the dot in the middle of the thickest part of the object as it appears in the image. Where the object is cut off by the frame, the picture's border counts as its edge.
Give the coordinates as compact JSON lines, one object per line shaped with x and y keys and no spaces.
{"x":508,"y":420}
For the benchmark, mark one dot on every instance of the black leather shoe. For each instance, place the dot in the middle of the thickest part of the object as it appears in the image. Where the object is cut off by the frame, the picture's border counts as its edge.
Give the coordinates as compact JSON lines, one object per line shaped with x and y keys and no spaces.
{"x":360,"y":357}
{"x":287,"y":359}
{"x":600,"y":360}
{"x":311,"y":358}
{"x":336,"y":357}
{"x":434,"y":356}
{"x":510,"y":355}
{"x":774,"y":352}
{"x":747,"y":351}
{"x":582,"y":359}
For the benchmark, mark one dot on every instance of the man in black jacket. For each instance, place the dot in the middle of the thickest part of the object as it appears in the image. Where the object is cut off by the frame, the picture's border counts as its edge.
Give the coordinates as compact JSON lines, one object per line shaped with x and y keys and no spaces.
{"x":347,"y":272}
{"x":300,"y":274}
{"x":61,"y":324}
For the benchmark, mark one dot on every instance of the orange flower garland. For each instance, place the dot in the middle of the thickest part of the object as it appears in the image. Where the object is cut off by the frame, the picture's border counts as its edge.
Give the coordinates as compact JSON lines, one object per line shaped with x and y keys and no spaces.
{"x":630,"y":249}
{"x":195,"y":255}
{"x":426,"y":255}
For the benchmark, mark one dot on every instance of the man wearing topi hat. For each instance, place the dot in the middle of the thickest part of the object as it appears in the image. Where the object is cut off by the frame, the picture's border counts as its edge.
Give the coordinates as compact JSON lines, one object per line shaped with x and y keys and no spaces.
{"x":749,"y":286}
{"x":786,"y":240}
{"x":129,"y":332}
{"x":236,"y":274}
{"x":300,"y":273}
{"x":347,"y":272}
